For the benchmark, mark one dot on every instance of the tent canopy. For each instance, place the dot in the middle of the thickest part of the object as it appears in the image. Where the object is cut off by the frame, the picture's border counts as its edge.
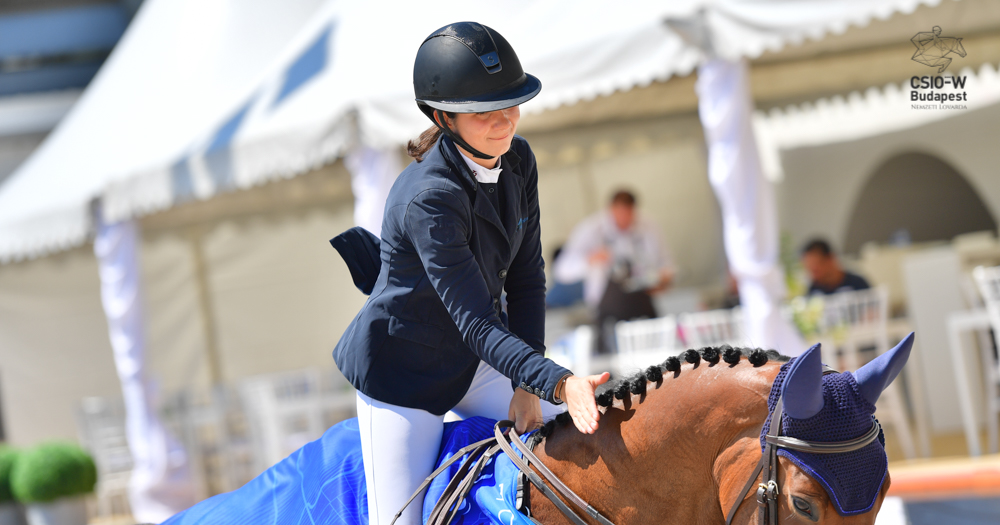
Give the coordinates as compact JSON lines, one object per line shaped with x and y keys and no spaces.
{"x":207,"y":96}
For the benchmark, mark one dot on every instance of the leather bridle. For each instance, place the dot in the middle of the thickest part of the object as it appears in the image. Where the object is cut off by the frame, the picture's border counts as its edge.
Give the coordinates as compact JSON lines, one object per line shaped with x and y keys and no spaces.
{"x":480,"y":452}
{"x":767,"y":488}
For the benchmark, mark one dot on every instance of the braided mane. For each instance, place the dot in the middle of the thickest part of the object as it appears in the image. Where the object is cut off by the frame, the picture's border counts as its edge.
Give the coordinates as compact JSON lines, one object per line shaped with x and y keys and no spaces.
{"x":636,"y":383}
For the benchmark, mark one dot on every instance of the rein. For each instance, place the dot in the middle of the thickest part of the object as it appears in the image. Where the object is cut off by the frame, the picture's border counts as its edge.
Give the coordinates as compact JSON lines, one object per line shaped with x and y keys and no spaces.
{"x":767,"y":489}
{"x":479,"y":453}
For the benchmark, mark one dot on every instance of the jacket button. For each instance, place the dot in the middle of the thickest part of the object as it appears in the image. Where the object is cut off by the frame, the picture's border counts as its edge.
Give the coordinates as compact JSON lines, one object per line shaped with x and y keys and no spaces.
{"x":503,"y":274}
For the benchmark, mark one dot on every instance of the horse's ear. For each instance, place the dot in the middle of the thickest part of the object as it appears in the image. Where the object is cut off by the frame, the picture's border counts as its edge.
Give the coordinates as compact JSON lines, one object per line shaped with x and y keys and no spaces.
{"x":875,"y":376}
{"x":802,"y":392}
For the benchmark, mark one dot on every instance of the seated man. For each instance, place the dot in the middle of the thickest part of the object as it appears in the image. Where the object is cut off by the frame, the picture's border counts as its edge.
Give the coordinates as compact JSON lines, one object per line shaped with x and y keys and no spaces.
{"x":825,"y":271}
{"x":622,"y":262}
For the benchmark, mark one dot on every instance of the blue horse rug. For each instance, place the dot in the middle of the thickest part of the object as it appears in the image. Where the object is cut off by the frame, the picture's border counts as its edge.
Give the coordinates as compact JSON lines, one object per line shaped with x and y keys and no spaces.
{"x":324,"y":483}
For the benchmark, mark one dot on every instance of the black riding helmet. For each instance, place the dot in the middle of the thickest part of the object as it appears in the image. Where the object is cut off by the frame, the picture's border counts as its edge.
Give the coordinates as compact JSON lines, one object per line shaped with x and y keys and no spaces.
{"x":467,"y":67}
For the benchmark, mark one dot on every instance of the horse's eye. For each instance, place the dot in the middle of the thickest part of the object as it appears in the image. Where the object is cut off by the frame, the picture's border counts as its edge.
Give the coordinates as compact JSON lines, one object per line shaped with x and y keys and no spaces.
{"x":804,"y":508}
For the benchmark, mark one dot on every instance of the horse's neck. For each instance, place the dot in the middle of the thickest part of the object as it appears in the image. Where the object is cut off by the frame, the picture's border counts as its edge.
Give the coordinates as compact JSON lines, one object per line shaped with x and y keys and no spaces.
{"x":656,"y":457}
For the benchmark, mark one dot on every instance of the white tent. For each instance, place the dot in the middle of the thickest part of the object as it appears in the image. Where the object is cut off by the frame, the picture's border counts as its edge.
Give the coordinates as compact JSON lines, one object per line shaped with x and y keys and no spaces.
{"x":205,"y":97}
{"x":202,"y":97}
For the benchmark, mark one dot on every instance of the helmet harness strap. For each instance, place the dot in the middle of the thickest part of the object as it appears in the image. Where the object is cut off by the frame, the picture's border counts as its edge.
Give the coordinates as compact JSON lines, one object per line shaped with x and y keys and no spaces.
{"x":439,"y":121}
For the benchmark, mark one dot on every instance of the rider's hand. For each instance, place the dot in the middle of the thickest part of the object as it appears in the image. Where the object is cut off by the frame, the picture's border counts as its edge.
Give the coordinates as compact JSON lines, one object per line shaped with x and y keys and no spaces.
{"x":578,"y":393}
{"x":525,"y":411}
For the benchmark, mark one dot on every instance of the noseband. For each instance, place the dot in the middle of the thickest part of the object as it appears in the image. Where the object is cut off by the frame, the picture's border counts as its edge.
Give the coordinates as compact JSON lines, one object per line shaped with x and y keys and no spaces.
{"x":767,"y":489}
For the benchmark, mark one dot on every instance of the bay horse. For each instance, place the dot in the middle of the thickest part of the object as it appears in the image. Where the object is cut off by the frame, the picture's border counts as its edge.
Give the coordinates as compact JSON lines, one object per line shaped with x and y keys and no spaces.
{"x":677,"y":442}
{"x":675,"y":445}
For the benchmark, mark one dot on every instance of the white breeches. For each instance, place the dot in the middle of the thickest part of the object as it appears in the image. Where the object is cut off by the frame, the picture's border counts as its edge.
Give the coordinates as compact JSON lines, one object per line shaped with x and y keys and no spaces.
{"x":400,"y":445}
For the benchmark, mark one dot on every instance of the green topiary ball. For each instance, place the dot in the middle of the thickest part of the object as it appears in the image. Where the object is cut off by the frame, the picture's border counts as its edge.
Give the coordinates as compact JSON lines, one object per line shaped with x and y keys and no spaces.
{"x":7,"y":458}
{"x":51,"y":471}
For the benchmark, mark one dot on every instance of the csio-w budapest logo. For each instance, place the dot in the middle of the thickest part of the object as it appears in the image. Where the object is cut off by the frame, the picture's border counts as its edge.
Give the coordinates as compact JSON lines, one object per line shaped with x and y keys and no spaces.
{"x":935,"y":91}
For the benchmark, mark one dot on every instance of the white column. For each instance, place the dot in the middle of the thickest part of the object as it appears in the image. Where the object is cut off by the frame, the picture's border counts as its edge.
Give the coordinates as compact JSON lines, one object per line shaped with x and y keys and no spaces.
{"x":372,"y":173}
{"x":746,"y":198}
{"x":161,"y":483}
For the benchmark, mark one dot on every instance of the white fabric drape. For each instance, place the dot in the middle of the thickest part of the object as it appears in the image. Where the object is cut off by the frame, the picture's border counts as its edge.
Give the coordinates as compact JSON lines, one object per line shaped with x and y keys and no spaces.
{"x":749,"y":217}
{"x":372,"y":173}
{"x":161,"y":483}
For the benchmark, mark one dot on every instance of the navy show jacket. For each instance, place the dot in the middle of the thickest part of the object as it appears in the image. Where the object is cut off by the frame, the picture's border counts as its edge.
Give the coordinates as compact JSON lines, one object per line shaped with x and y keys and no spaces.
{"x":434,"y":311}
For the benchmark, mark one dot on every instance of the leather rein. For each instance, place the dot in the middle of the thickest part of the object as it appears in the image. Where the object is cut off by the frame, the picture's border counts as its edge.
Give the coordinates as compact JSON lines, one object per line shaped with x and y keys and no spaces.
{"x":767,"y":488}
{"x":480,"y":452}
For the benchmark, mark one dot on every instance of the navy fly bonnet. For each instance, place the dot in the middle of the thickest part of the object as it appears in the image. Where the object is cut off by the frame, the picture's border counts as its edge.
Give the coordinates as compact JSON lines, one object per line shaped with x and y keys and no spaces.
{"x":836,"y":407}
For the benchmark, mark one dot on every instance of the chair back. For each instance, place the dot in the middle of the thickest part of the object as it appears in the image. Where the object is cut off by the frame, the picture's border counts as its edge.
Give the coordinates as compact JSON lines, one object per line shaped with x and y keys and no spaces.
{"x":988,"y":282}
{"x":714,"y":328}
{"x":856,"y":310}
{"x":101,"y":427}
{"x":284,"y":411}
{"x":853,"y":321}
{"x":645,"y":342}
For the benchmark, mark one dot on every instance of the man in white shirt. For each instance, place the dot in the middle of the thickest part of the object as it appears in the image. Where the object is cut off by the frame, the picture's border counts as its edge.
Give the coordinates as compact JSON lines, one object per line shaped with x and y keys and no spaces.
{"x":621,"y":261}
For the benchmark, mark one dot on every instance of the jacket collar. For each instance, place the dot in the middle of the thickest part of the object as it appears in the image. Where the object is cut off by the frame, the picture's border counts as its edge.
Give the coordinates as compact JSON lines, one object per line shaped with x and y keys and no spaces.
{"x":482,"y":207}
{"x":454,"y":160}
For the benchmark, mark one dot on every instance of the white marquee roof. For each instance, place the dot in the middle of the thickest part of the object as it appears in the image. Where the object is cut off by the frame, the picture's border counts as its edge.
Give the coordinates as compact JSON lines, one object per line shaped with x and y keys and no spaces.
{"x":203,"y":96}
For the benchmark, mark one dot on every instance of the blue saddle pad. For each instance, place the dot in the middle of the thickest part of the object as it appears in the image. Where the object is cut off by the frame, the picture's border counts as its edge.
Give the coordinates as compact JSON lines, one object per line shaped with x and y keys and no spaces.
{"x":324,"y":482}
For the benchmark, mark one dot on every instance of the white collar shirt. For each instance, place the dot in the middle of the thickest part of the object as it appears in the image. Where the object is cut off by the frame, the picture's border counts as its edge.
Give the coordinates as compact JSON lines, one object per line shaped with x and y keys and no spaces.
{"x":483,"y":175}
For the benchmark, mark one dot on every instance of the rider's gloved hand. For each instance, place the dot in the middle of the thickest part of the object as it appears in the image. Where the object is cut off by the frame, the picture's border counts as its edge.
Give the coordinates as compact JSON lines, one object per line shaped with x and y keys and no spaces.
{"x":578,"y":393}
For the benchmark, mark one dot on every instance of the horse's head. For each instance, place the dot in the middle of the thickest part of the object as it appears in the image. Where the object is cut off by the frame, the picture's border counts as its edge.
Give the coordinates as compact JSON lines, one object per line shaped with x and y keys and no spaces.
{"x":844,"y":487}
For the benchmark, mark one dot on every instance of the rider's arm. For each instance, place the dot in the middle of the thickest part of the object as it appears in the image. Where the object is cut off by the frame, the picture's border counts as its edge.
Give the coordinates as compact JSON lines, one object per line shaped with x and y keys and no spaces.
{"x":437,"y":222}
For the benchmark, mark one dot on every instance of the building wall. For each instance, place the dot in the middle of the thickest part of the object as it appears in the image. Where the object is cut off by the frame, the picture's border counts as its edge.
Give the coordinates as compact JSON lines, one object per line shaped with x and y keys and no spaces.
{"x":279,"y":297}
{"x":918,"y":198}
{"x":662,"y":160}
{"x":54,"y":347}
{"x":822,"y":184}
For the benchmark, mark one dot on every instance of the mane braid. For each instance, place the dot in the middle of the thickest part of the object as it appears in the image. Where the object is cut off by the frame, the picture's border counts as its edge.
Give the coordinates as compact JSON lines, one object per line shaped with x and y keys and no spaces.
{"x":637,"y":383}
{"x":731,"y":355}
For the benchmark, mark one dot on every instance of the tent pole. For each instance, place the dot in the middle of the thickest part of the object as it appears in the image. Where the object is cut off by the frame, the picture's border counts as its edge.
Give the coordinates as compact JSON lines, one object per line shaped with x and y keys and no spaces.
{"x":160,"y":482}
{"x":746,"y":200}
{"x":196,"y":237}
{"x":3,"y":432}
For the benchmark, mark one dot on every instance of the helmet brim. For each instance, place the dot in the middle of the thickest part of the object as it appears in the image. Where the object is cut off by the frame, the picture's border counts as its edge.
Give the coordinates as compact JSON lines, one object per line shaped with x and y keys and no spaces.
{"x":495,"y":101}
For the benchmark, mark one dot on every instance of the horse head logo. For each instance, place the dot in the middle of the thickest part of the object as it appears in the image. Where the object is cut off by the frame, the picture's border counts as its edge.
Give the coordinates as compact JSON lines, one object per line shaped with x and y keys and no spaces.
{"x":933,"y":49}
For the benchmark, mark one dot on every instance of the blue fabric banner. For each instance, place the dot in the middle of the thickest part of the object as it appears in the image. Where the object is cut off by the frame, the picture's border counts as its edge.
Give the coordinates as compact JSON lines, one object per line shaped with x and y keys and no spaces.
{"x":324,"y":482}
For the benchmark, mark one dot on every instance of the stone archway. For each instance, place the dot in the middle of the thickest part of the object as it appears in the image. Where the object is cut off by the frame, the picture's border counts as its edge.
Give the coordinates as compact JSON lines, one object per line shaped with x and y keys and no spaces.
{"x":918,"y":193}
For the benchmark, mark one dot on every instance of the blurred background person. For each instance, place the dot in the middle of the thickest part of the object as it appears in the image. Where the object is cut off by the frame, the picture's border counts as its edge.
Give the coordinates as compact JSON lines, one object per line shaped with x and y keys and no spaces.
{"x":826,"y":274}
{"x":560,"y":294}
{"x":622,"y":262}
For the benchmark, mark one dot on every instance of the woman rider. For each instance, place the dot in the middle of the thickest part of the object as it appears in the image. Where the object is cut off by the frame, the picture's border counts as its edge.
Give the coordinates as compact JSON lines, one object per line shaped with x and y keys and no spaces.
{"x":460,"y":227}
